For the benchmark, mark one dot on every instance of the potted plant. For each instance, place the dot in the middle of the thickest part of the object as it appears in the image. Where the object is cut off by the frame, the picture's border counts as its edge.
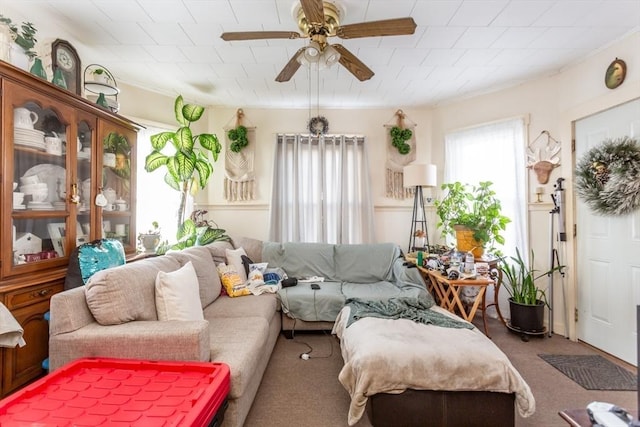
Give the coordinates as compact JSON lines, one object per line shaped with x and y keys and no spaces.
{"x":151,"y":239}
{"x":526,"y":300}
{"x":100,"y":75}
{"x":195,"y":231}
{"x":188,"y":169}
{"x":24,"y":37}
{"x":117,"y":152}
{"x":473,"y":215}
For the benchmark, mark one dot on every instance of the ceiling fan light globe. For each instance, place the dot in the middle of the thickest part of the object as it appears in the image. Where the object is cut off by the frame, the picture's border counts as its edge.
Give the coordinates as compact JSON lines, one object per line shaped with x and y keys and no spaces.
{"x":312,"y":52}
{"x":330,"y":56}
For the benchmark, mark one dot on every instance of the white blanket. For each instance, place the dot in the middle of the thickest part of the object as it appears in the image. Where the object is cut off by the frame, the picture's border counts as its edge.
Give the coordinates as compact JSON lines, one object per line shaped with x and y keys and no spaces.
{"x":10,"y":330}
{"x":391,"y":356}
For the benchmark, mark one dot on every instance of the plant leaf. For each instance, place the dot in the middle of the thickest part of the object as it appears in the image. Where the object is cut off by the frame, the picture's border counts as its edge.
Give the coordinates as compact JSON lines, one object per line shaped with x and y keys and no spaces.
{"x":187,"y":228}
{"x":211,"y":143}
{"x":177,"y":108}
{"x":192,"y":112}
{"x":185,"y":165}
{"x":204,"y":172}
{"x":154,"y":160}
{"x":184,"y":140}
{"x":159,"y":140}
{"x":171,"y":181}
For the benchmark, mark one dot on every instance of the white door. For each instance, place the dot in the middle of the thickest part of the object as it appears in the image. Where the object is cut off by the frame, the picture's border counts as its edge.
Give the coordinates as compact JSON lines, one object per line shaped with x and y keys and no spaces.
{"x":608,"y":250}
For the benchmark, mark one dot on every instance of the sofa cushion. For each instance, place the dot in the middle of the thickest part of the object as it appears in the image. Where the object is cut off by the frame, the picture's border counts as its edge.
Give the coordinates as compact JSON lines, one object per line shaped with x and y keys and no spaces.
{"x":302,"y":302}
{"x":208,"y":279}
{"x":177,"y":294}
{"x":371,"y":291}
{"x":301,"y":259}
{"x":234,"y":259}
{"x":218,"y":250}
{"x":240,"y":343}
{"x":125,"y":293}
{"x":252,"y":247}
{"x":253,"y":305}
{"x":366,"y":263}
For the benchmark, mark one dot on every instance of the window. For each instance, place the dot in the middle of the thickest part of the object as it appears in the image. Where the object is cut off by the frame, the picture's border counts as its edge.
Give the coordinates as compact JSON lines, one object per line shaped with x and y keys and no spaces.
{"x":493,"y":152}
{"x":156,"y":201}
{"x":321,"y":190}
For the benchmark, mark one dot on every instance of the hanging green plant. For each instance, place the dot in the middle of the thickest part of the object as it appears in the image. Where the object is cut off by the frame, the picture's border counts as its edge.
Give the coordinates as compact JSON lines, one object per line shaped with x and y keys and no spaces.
{"x":399,"y":138}
{"x":608,"y":177}
{"x":238,"y":137}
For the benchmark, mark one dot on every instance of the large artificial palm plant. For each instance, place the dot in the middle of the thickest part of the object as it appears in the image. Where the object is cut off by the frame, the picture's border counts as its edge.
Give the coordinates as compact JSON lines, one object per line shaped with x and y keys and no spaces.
{"x":188,"y":169}
{"x":190,"y":166}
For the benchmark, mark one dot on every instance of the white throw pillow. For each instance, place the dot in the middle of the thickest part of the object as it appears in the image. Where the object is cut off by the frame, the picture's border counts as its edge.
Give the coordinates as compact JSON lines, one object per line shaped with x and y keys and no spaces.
{"x":178,"y":295}
{"x":234,"y":259}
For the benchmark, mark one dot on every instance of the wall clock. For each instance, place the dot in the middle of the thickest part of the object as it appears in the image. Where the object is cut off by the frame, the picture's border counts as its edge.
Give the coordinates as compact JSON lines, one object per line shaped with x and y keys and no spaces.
{"x":616,"y":72}
{"x":65,"y":58}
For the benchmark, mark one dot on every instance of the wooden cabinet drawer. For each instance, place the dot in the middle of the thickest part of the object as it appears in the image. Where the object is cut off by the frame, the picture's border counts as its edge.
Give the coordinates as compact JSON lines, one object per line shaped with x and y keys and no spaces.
{"x":31,"y":295}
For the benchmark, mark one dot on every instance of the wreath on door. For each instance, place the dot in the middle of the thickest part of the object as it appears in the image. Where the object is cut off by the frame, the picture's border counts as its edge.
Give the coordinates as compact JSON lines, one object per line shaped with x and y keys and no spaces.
{"x":608,"y":177}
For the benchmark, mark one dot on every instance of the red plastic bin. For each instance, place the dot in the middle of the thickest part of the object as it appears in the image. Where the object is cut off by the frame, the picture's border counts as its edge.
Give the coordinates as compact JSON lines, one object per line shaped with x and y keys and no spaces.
{"x":121,"y":392}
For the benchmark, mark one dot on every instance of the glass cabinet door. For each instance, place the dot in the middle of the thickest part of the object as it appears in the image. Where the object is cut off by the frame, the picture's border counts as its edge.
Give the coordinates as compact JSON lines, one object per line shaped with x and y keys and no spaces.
{"x":118,"y":213}
{"x":38,"y":140}
{"x":82,"y":189}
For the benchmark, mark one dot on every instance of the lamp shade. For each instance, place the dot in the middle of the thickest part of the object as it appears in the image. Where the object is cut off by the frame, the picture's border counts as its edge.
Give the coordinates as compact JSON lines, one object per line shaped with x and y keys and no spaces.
{"x":419,"y":174}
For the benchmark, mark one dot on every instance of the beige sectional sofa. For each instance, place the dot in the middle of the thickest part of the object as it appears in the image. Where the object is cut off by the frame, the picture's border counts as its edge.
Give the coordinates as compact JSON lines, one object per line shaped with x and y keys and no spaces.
{"x":115,"y":316}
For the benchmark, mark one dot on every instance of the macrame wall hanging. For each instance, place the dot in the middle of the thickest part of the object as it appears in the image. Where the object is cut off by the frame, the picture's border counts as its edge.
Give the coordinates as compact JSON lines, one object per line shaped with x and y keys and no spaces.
{"x":608,"y":177}
{"x":543,"y":156}
{"x":401,"y":150}
{"x":239,"y":180}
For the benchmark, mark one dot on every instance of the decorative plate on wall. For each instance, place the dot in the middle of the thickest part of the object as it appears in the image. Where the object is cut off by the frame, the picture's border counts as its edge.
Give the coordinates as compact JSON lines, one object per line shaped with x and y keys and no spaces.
{"x":616,"y":72}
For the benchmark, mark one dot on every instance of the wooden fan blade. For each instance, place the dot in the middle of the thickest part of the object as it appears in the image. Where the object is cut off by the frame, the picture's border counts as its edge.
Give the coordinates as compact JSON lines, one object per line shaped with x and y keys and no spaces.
{"x":353,"y":64}
{"x":313,"y":11}
{"x":387,"y":27}
{"x":259,"y":35}
{"x":290,"y":69}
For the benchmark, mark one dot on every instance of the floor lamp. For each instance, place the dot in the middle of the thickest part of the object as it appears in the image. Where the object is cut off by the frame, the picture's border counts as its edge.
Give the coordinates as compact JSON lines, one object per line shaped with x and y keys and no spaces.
{"x":419,"y":175}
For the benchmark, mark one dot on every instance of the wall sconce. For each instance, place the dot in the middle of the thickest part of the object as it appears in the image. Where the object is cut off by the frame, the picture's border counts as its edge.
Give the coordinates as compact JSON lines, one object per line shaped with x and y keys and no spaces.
{"x":539,"y":193}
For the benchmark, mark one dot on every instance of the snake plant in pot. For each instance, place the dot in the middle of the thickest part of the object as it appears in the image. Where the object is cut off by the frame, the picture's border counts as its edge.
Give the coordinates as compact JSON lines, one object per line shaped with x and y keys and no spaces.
{"x":526,"y":300}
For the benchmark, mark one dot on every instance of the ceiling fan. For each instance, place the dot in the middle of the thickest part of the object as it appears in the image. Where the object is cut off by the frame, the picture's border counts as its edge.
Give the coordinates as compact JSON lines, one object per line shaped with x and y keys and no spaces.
{"x":318,"y":20}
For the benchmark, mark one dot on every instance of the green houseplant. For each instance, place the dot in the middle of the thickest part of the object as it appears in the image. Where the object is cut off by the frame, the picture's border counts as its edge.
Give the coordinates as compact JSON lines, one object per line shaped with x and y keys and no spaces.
{"x":25,"y":36}
{"x":187,"y":169}
{"x":473,"y":209}
{"x":190,"y":165}
{"x":526,"y":300}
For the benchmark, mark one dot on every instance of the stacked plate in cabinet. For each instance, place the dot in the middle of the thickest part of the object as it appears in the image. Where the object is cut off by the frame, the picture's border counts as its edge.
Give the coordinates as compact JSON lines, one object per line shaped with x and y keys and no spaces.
{"x":31,"y":138}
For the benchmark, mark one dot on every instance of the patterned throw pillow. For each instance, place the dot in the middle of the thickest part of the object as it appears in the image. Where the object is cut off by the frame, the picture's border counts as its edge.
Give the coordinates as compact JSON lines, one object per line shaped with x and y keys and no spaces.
{"x":232,"y":282}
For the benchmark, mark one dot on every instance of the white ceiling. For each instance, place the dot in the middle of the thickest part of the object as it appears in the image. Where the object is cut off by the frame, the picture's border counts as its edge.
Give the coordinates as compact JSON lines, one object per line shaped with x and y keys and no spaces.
{"x":460,"y":47}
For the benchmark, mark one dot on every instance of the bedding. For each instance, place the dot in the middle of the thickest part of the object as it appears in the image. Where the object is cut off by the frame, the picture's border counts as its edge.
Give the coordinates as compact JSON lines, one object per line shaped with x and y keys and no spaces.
{"x":393,"y":355}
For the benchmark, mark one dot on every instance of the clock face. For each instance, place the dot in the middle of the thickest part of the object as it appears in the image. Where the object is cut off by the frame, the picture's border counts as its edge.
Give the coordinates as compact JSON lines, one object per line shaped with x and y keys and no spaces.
{"x":65,"y":59}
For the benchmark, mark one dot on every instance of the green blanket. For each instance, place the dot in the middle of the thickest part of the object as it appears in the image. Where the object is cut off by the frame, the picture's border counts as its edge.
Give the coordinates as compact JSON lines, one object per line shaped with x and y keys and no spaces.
{"x":416,"y":309}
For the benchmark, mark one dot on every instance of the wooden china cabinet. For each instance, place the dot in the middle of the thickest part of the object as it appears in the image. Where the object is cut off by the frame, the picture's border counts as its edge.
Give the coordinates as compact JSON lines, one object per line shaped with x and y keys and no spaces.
{"x":50,"y":201}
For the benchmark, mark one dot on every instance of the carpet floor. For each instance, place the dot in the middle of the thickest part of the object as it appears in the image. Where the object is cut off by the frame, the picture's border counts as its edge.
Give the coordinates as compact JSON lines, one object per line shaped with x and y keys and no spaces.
{"x":296,"y":392}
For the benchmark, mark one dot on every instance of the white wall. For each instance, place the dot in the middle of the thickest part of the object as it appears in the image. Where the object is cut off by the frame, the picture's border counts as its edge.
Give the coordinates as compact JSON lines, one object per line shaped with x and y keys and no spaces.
{"x":551,"y":104}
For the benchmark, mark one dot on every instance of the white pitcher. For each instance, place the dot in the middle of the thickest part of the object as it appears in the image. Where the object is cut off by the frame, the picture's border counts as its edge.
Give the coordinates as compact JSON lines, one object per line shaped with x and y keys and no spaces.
{"x":24,"y":118}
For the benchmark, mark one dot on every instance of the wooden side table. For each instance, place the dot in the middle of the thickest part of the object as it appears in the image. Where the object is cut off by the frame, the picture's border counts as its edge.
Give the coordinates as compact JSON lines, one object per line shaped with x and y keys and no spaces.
{"x":447,"y":292}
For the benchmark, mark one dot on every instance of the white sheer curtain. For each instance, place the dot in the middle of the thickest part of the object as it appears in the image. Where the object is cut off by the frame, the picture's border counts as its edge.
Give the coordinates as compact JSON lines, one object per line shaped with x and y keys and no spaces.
{"x":493,"y":152}
{"x":321,"y":190}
